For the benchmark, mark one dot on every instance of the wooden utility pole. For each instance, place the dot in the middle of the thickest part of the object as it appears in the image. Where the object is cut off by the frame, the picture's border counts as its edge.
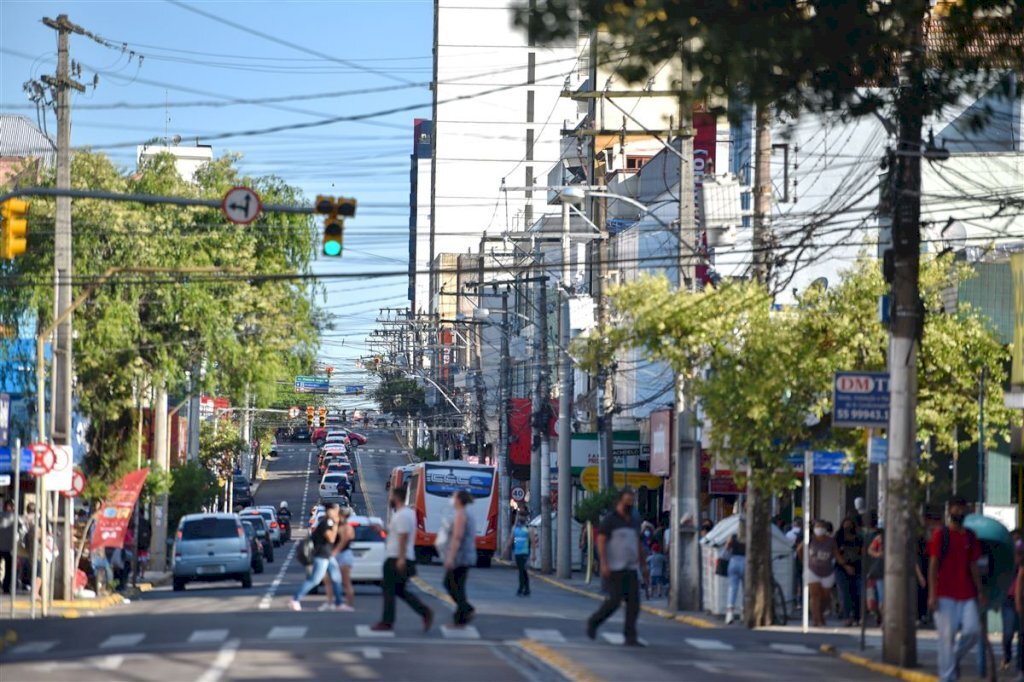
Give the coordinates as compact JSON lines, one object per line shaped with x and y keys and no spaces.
{"x":899,"y":636}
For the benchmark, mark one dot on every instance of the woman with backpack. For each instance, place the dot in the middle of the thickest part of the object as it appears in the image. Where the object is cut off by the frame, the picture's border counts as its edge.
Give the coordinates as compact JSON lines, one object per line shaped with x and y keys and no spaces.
{"x":459,"y":554}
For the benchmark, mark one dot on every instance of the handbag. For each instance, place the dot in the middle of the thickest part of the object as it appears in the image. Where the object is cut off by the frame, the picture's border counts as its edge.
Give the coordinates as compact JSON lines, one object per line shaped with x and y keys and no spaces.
{"x":722,"y":562}
{"x":305,"y":552}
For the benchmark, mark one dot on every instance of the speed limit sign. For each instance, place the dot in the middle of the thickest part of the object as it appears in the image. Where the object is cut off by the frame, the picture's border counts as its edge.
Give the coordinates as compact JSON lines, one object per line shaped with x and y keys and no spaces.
{"x":518,"y":494}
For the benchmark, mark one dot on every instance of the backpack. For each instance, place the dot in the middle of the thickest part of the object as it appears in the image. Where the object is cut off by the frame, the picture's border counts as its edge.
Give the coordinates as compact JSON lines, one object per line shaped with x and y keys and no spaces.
{"x":304,"y":552}
{"x":944,"y":549}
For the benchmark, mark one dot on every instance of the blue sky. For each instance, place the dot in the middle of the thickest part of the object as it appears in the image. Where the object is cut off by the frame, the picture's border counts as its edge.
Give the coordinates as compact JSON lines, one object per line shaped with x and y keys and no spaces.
{"x":175,"y":56}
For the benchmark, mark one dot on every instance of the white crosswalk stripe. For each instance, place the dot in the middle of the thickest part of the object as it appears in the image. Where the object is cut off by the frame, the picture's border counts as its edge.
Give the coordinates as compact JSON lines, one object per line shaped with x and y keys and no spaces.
{"x":208,"y":636}
{"x":287,"y":632}
{"x":467,"y":632}
{"x":709,"y":644}
{"x":114,"y":641}
{"x":365,"y":631}
{"x":795,"y":649}
{"x":619,"y":638}
{"x":34,"y":647}
{"x":541,"y":635}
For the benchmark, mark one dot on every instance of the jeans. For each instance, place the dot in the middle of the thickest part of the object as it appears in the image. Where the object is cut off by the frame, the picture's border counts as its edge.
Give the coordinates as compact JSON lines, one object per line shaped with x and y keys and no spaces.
{"x":951,"y":616}
{"x":849,"y":593}
{"x":524,"y":575}
{"x":621,"y":585}
{"x":322,"y":566}
{"x":455,"y":583}
{"x":8,"y":570}
{"x":737,"y":566}
{"x":880,"y":590}
{"x":395,"y":586}
{"x":1011,"y":625}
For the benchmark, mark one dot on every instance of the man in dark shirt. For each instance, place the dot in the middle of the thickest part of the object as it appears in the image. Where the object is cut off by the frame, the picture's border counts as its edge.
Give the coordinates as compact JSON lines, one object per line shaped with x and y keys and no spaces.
{"x":621,"y":552}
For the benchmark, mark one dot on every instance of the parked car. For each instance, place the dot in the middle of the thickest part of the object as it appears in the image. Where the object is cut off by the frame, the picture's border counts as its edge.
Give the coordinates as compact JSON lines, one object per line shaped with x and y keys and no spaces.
{"x":368,"y":547}
{"x":255,"y":547}
{"x":301,"y":434}
{"x":259,"y":524}
{"x":357,"y":438}
{"x":211,"y":547}
{"x":243,"y":491}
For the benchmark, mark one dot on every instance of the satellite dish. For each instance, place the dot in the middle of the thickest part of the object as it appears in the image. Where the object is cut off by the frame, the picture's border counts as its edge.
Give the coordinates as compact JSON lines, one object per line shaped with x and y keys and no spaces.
{"x":176,"y":139}
{"x":954,"y":235}
{"x":821,"y":282}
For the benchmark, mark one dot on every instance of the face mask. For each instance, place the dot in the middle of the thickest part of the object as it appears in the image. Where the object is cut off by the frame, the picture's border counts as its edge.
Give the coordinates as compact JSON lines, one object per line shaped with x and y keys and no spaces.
{"x":957,"y":518}
{"x":819,"y":531}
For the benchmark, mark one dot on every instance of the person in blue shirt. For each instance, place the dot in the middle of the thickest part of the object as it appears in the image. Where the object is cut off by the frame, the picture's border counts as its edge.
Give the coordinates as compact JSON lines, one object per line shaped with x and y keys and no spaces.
{"x":521,"y":542}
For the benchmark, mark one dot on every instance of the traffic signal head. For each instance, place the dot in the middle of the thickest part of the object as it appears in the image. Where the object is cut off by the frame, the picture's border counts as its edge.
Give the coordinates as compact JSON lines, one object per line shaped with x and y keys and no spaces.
{"x":334,"y":223}
{"x":347,"y":207}
{"x":334,"y":236}
{"x":309,"y":416}
{"x":13,"y":228}
{"x":323,"y":417}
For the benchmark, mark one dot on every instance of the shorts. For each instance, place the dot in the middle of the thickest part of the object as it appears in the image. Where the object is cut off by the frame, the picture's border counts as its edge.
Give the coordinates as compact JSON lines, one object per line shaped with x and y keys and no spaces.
{"x":346,"y":558}
{"x":828,"y":582}
{"x":657,"y":580}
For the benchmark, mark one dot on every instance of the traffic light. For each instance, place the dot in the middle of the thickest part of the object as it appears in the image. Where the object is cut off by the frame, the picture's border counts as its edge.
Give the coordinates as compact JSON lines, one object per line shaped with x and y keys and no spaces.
{"x":330,"y":371}
{"x":309,"y":416}
{"x":323,"y":417}
{"x":13,"y":228}
{"x":334,"y":222}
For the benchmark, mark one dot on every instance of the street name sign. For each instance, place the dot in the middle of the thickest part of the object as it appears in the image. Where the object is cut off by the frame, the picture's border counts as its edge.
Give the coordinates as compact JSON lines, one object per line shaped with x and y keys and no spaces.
{"x":308,"y":384}
{"x":860,"y":399}
{"x":241,"y":205}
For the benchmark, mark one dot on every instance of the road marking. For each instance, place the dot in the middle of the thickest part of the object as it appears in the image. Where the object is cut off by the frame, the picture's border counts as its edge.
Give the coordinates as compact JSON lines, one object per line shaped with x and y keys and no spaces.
{"x":798,"y":649}
{"x":265,"y":602}
{"x":287,"y":632}
{"x":465,"y":632}
{"x":220,"y":665}
{"x":365,"y":631}
{"x":208,"y":636}
{"x":371,"y":653}
{"x":618,"y":638}
{"x":541,"y":635}
{"x":122,"y":640}
{"x":108,"y":662}
{"x":708,"y":644}
{"x":34,"y":647}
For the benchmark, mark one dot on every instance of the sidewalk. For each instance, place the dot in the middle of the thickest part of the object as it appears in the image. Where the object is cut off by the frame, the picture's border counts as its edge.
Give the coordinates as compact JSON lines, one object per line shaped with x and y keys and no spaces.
{"x":73,"y":608}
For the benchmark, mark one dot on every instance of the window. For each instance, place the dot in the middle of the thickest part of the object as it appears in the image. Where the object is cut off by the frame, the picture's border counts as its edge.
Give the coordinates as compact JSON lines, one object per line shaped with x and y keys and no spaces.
{"x":636,"y":162}
{"x":209,"y":529}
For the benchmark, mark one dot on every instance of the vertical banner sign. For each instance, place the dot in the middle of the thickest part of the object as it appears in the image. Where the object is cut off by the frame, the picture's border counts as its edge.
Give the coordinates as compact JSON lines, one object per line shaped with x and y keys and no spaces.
{"x":445,"y":338}
{"x":661,"y":442}
{"x":5,"y":418}
{"x":705,"y":140}
{"x":117,"y":510}
{"x":1017,"y":365}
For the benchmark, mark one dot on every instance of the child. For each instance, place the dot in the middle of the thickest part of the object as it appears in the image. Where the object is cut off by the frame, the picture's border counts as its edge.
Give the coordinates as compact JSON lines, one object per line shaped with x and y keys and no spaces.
{"x":656,"y":564}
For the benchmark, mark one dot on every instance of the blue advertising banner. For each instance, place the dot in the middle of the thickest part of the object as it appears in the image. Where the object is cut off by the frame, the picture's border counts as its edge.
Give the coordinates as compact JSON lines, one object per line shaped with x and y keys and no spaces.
{"x":861,"y":399}
{"x":6,"y":460}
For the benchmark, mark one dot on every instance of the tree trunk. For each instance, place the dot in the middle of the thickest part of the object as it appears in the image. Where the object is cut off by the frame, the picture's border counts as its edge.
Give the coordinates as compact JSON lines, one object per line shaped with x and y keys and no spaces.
{"x":757,"y":581}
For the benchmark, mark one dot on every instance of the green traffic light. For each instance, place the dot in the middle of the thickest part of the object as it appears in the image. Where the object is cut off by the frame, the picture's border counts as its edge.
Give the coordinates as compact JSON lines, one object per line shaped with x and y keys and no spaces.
{"x":332,"y":248}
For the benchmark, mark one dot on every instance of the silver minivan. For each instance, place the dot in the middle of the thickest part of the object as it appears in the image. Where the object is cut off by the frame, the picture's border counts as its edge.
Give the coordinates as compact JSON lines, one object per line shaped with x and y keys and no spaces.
{"x":211,"y":547}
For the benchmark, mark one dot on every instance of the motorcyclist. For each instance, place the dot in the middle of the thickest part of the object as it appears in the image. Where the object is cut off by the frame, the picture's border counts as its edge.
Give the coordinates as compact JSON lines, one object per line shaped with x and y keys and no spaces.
{"x":284,"y":515}
{"x":282,"y":509}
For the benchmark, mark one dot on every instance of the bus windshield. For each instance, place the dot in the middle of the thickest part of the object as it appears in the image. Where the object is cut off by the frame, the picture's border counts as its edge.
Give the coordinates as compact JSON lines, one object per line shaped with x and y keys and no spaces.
{"x":443,"y":481}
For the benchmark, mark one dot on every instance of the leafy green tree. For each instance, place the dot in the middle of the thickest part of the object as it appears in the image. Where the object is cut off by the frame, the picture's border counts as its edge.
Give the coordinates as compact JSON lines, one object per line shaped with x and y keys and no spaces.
{"x":399,"y":395}
{"x":193,"y":486}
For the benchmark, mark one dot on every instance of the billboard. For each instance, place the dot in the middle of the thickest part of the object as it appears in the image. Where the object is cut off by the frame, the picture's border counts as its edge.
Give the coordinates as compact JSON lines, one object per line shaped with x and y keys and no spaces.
{"x":661,"y":442}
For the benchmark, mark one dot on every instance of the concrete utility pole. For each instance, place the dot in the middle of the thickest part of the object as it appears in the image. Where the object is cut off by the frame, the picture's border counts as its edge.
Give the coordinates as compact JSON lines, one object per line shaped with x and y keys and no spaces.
{"x":684,"y":548}
{"x":544,"y":421}
{"x":538,"y":387}
{"x":61,"y":433}
{"x":899,"y":637}
{"x":565,"y":396}
{"x":504,"y":484}
{"x":161,"y":461}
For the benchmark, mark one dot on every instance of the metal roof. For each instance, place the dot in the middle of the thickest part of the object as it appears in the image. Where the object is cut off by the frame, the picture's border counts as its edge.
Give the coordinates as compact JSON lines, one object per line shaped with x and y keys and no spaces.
{"x":20,"y":138}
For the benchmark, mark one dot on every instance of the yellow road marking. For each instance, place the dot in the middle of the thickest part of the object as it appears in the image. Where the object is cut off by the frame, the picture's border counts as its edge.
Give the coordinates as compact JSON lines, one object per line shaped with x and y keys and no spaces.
{"x":559,"y":662}
{"x":883,"y":668}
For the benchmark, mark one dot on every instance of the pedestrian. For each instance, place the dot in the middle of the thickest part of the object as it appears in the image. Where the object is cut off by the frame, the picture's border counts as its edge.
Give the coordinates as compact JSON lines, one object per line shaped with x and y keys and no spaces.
{"x":346,"y":558}
{"x":822,"y":558}
{"x":1018,"y":592}
{"x":400,"y":566}
{"x":737,"y":566}
{"x":954,"y":589}
{"x":621,"y":553}
{"x":795,"y":532}
{"x":325,"y":543}
{"x":1010,"y":617}
{"x":851,"y":547}
{"x":8,"y":522}
{"x":521,"y":543}
{"x":876,"y":572}
{"x":28,"y":538}
{"x":657,"y":563}
{"x":459,"y":555}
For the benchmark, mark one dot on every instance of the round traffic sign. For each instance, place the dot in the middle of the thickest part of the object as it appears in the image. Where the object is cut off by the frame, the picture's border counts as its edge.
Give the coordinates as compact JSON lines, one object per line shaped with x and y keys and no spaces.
{"x":43,"y":459}
{"x":518,"y":494}
{"x":241,"y":205}
{"x":293,"y":413}
{"x":77,"y":484}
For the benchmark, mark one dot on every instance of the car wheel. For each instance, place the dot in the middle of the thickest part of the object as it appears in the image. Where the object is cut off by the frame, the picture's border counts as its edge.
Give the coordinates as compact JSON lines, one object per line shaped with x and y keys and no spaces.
{"x":179,"y":584}
{"x":247,"y":580}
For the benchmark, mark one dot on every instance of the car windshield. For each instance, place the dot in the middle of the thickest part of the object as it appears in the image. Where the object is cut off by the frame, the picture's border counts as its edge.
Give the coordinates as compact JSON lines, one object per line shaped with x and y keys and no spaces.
{"x":209,"y":528}
{"x":334,"y":478}
{"x":368,"y":534}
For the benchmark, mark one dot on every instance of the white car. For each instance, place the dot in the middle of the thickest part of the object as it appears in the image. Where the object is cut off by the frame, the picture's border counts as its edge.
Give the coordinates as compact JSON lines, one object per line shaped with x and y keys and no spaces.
{"x":329,"y":488}
{"x":270,"y":515}
{"x":335,"y":449}
{"x":368,"y":547}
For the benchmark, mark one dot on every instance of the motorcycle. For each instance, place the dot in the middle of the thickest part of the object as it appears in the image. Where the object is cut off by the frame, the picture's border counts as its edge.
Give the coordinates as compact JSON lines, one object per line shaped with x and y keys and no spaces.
{"x":285,"y":521}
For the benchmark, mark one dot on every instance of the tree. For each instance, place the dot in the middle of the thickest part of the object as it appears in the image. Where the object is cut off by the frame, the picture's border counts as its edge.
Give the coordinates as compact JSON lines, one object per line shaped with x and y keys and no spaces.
{"x":399,"y":395}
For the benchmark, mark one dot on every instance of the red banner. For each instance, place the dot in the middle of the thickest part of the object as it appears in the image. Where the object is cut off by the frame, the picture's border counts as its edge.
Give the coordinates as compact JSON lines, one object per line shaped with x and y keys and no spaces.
{"x":704,"y":147}
{"x":521,"y":431}
{"x":116,"y":512}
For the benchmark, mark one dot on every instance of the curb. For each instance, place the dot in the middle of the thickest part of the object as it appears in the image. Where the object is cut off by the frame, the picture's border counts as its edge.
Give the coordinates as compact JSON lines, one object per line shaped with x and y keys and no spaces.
{"x":694,"y":621}
{"x":560,"y":663}
{"x":882,"y":668}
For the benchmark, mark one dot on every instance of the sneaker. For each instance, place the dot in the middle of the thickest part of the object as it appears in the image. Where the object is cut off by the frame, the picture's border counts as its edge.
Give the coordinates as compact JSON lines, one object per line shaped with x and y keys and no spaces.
{"x":428,"y":620}
{"x":382,"y":627}
{"x":327,"y":606}
{"x":346,"y":608}
{"x":294,"y":605}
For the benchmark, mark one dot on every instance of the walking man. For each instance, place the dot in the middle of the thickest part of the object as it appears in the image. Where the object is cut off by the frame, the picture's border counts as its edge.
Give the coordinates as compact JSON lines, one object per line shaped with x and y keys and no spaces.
{"x":400,"y":564}
{"x":954,"y":589}
{"x":8,"y":521}
{"x":522,"y":543}
{"x":325,"y":546}
{"x":621,"y":552}
{"x":459,"y":556}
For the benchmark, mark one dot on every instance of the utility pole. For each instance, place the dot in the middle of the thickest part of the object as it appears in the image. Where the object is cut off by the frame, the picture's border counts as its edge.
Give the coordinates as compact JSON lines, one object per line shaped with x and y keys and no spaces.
{"x":62,"y":432}
{"x":684,"y":548}
{"x":504,"y":484}
{"x":757,"y":580}
{"x":538,"y":397}
{"x":161,"y":461}
{"x":899,"y":636}
{"x":565,"y":396}
{"x":544,"y":422}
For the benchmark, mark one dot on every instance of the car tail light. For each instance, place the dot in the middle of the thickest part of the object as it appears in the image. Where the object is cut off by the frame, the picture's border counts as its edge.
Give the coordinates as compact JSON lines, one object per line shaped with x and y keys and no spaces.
{"x":241,"y":532}
{"x":178,"y":535}
{"x":273,"y":524}
{"x":383,"y":535}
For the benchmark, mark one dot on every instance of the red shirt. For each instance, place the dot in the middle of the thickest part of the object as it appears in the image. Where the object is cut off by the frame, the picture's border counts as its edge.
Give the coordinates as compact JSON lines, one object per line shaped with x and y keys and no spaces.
{"x":954,"y":579}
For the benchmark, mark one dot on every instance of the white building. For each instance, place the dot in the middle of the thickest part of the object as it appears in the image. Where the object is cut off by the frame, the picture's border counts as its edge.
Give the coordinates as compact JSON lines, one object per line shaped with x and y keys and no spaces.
{"x":187,"y":160}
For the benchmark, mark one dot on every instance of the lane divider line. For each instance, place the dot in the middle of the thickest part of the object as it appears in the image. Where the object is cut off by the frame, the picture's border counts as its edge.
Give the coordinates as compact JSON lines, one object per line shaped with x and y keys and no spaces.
{"x":559,"y":663}
{"x":279,"y":578}
{"x":225,"y":657}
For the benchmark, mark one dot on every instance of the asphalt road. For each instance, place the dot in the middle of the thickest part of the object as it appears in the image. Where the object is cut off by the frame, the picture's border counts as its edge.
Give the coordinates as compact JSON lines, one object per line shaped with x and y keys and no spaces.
{"x":220,"y":631}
